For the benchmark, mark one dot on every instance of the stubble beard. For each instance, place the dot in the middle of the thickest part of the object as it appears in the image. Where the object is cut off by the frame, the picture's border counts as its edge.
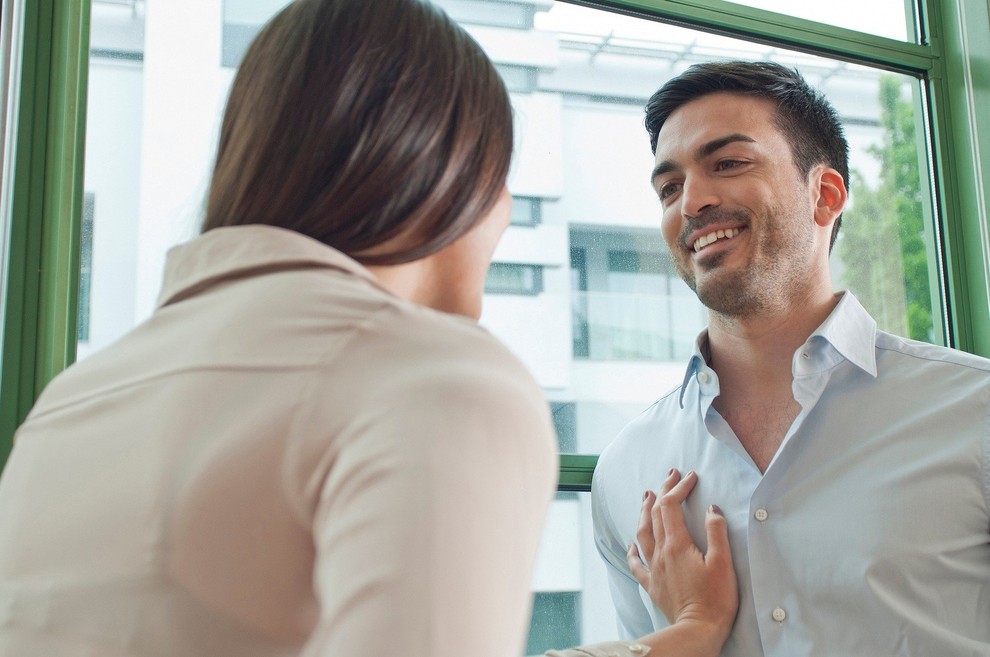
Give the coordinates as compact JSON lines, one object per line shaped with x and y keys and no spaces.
{"x":732,"y":294}
{"x":766,"y":280}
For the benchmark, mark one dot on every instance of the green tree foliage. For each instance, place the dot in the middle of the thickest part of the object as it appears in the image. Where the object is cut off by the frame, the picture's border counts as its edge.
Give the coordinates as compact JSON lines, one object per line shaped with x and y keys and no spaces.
{"x":882,"y":245}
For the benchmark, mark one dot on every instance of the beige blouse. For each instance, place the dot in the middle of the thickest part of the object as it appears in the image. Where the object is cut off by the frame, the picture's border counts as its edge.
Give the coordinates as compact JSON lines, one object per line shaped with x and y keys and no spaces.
{"x":285,"y":459}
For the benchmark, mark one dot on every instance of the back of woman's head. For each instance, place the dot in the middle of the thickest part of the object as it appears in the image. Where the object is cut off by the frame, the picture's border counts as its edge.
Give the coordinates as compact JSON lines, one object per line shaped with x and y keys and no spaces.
{"x":378,"y":127}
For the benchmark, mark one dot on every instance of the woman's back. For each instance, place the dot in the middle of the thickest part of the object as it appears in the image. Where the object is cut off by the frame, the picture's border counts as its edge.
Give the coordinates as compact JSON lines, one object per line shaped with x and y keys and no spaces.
{"x":279,"y":462}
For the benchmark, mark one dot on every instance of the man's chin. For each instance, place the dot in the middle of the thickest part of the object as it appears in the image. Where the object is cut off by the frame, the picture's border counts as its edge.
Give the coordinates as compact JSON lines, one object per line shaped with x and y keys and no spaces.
{"x":724,"y":292}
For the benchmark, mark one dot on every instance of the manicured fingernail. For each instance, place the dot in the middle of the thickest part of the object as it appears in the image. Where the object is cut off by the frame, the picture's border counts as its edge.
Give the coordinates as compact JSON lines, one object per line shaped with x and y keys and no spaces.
{"x":670,"y":472}
{"x":689,"y":474}
{"x":714,"y":509}
{"x":645,"y":495}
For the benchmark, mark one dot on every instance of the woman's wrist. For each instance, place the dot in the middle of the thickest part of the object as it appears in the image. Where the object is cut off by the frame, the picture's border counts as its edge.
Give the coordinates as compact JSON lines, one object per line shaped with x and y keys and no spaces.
{"x":687,"y":638}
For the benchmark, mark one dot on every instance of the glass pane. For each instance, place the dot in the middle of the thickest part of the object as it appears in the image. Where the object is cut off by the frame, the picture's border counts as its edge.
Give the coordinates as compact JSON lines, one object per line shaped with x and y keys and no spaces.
{"x":513,"y":278}
{"x":608,"y":327}
{"x":894,"y":19}
{"x":525,"y":211}
{"x":117,"y":281}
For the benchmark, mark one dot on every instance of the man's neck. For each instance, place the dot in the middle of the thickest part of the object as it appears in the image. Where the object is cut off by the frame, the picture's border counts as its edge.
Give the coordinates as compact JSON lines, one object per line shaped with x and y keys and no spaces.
{"x":761,"y":347}
{"x":753,"y":358}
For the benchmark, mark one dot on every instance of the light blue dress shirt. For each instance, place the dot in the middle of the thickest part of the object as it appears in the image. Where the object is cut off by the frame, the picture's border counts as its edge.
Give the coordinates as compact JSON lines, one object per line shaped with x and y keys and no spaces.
{"x":869,"y":533}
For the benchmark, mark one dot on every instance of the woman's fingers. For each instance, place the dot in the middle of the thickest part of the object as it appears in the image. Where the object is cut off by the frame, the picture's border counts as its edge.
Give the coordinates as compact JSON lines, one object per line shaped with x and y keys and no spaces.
{"x":635,"y":563}
{"x":717,"y":530}
{"x":681,"y":580}
{"x":718,"y":560}
{"x":672,"y":513}
{"x":655,"y":521}
{"x":644,"y":533}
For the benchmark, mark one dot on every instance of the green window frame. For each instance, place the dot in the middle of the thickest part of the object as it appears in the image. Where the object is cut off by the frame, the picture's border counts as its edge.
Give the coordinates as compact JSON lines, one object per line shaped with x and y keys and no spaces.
{"x":39,"y":311}
{"x":46,"y":196}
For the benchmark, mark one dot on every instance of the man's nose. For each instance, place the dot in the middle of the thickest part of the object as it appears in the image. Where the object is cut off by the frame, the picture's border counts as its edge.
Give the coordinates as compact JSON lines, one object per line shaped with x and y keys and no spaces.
{"x":697,"y":195}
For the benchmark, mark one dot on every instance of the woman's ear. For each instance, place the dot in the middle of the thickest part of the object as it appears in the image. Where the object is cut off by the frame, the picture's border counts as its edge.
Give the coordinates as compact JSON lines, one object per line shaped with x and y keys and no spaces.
{"x":831,"y":196}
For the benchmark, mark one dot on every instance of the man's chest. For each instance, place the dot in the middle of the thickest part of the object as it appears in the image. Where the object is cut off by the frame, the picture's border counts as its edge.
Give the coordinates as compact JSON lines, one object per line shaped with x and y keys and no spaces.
{"x":760,"y":425}
{"x":856,"y":523}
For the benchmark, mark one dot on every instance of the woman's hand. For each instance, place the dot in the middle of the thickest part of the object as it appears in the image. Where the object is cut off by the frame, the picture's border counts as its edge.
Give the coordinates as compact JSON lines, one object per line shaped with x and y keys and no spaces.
{"x":692,"y":589}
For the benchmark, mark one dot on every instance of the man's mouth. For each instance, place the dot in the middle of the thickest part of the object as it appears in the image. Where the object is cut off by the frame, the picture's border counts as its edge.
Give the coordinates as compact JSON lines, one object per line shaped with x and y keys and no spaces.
{"x":714,"y":236}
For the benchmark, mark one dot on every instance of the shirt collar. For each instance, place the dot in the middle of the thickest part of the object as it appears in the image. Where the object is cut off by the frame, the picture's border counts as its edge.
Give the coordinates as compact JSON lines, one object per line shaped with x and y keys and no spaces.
{"x":849,"y":329}
{"x":238,"y":251}
{"x":851,"y":332}
{"x":698,"y":359}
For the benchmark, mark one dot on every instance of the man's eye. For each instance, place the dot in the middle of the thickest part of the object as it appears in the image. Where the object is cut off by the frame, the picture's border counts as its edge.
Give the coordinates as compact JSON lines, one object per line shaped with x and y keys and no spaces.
{"x":727,"y":164}
{"x":667,"y":190}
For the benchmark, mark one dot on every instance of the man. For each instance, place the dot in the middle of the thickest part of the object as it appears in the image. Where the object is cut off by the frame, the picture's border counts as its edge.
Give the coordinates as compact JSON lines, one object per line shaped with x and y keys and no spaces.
{"x":853,"y":466}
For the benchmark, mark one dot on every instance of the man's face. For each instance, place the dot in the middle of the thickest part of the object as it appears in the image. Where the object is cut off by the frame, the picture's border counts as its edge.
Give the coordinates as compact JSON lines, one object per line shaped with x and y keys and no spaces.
{"x":737,"y":214}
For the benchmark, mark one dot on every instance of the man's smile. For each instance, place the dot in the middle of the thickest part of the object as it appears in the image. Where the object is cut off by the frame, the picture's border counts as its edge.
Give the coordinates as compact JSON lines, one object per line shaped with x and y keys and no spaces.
{"x":715,"y":235}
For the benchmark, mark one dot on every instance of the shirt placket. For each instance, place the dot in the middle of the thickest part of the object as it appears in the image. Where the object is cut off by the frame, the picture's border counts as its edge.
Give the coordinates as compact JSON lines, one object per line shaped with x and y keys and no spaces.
{"x":775,"y":587}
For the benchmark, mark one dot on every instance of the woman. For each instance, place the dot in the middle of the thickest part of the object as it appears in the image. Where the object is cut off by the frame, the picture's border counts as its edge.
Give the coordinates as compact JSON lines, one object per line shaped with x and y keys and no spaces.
{"x":310,"y":448}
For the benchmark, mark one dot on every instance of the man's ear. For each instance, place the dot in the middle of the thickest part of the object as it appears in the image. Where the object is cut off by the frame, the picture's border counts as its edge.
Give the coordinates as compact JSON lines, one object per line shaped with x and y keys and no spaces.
{"x":831,"y":196}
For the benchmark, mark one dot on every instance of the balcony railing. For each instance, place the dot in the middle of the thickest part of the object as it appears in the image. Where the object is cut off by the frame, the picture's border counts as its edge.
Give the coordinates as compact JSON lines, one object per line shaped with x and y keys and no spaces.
{"x":635,"y":327}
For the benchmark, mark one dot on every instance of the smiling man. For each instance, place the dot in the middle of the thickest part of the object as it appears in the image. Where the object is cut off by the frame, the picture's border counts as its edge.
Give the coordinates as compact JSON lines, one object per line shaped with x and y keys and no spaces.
{"x":853,"y":466}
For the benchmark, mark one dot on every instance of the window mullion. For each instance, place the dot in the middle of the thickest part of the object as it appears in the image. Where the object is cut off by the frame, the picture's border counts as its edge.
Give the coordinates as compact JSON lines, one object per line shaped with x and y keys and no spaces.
{"x":961,"y":142}
{"x":46,"y":203}
{"x":576,"y":471}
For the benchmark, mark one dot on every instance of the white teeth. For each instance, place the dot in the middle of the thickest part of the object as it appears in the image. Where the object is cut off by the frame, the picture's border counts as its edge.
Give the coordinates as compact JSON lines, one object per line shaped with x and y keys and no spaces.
{"x":705,"y":240}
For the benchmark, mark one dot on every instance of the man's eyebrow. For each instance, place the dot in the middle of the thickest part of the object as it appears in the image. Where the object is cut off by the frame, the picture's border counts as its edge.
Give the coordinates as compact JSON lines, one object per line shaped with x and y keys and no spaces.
{"x":662,"y":168}
{"x":702,"y":152}
{"x":707,"y":149}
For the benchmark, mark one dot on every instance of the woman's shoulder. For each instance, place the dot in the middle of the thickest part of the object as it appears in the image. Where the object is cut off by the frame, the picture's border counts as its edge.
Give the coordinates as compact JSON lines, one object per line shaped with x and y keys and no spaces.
{"x":419,"y":337}
{"x":428,"y":390}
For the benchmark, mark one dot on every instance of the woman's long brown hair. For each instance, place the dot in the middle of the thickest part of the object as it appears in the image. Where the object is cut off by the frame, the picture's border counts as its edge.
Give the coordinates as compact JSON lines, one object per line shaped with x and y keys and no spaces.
{"x":377,"y":127}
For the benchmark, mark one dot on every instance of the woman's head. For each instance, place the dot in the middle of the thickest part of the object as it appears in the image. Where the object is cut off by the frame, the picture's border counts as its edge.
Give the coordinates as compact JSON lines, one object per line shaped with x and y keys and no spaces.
{"x":377,"y":127}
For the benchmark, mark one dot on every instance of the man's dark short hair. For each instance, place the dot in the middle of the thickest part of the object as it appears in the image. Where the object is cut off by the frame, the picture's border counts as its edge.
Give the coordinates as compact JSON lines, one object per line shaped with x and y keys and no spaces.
{"x":808,"y":121}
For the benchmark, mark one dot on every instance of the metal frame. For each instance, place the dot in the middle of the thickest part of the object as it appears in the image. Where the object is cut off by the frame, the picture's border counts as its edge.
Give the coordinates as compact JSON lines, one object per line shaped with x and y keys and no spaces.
{"x":46,"y":204}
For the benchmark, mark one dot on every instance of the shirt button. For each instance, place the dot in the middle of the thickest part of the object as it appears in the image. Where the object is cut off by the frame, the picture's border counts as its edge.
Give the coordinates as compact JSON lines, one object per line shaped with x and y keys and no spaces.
{"x":779,"y":615}
{"x":761,"y":515}
{"x":703,"y":377}
{"x":636,"y":648}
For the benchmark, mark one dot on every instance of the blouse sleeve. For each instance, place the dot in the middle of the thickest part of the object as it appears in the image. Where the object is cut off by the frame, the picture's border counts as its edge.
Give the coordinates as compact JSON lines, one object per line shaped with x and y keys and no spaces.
{"x":610,"y":649}
{"x":430,"y":510}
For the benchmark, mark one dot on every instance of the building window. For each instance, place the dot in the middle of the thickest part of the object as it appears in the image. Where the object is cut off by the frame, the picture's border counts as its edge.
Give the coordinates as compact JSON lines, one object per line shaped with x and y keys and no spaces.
{"x":484,"y":12}
{"x":85,"y":267}
{"x":565,"y":422}
{"x":511,"y":278}
{"x":628,"y":302}
{"x":236,"y":39}
{"x":242,"y":20}
{"x":526,"y":211}
{"x":556,"y":621}
{"x":520,"y":79}
{"x":579,"y":305}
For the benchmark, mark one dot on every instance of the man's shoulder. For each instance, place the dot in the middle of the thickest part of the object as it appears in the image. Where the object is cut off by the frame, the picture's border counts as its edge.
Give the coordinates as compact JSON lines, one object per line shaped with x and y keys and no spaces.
{"x":647,"y":427}
{"x":920,"y":354}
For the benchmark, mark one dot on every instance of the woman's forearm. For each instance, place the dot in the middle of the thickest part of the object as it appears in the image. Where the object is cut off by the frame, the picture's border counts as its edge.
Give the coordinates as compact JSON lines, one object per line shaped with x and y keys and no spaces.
{"x":683,"y":639}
